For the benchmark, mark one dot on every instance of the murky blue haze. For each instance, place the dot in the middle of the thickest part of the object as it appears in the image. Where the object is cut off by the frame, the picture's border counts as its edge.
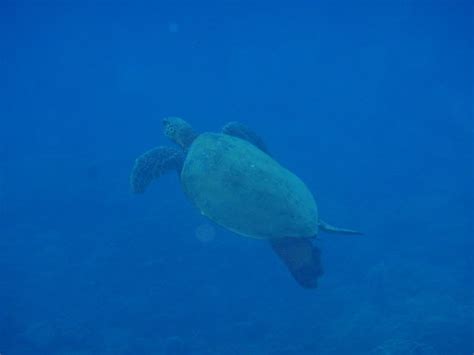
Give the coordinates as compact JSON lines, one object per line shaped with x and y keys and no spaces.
{"x":370,"y":103}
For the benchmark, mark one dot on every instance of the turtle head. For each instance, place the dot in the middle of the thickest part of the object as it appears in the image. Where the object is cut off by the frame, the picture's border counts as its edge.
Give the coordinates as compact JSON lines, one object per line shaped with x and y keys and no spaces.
{"x":179,"y":131}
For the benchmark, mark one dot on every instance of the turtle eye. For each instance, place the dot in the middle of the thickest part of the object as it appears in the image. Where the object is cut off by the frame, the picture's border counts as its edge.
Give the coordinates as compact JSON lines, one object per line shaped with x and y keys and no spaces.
{"x":170,"y":131}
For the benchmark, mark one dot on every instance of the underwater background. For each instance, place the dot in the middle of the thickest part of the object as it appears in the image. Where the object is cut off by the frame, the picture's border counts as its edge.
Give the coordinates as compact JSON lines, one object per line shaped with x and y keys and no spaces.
{"x":369,"y":102}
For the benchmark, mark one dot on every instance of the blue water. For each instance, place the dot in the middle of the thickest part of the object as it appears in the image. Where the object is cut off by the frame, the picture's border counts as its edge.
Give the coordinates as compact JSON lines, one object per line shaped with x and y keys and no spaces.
{"x":370,"y":103}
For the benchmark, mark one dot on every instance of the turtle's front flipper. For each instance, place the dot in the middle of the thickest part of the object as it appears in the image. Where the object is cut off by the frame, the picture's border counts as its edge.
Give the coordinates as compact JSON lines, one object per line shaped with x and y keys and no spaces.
{"x":152,"y":164}
{"x":328,"y":228}
{"x":241,"y":131}
{"x":302,"y":258}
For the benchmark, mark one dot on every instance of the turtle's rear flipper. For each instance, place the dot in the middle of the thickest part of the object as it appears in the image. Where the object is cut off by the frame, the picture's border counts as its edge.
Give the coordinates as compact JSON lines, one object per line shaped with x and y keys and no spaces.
{"x":239,"y":130}
{"x":302,"y":259}
{"x":152,"y":164}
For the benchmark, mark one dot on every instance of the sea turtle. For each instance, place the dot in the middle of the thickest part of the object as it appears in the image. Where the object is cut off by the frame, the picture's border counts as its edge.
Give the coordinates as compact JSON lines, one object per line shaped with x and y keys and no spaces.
{"x":232,"y":179}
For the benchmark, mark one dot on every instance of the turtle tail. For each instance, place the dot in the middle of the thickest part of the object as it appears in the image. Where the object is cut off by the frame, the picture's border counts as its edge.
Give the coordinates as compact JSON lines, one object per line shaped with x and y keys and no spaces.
{"x":154,"y":163}
{"x":331,"y":229}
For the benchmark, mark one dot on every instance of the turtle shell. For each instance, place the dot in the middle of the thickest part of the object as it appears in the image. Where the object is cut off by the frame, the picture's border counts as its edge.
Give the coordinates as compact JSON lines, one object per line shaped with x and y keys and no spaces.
{"x":243,"y":189}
